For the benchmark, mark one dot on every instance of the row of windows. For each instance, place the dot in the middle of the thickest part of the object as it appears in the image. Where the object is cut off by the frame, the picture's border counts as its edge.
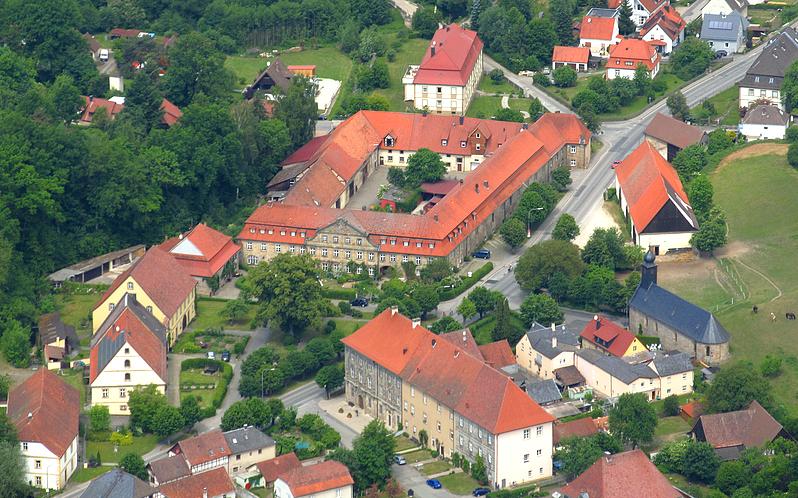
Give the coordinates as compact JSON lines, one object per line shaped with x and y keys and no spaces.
{"x":122,"y":390}
{"x":763,"y":93}
{"x":270,"y":231}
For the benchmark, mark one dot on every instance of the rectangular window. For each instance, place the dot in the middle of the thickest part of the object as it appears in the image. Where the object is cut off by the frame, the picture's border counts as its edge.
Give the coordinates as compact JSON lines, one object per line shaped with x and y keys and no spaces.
{"x":359,"y":255}
{"x":263,"y":246}
{"x":24,"y":446}
{"x":526,"y":457}
{"x":405,"y":258}
{"x":277,"y":248}
{"x":347,"y":240}
{"x":573,"y":163}
{"x":130,"y":285}
{"x":122,"y":392}
{"x":478,"y":146}
{"x":526,"y":433}
{"x":324,"y":252}
{"x":382,"y":258}
{"x":335,"y":239}
{"x":540,"y":431}
{"x":371,"y":256}
{"x":393,"y":258}
{"x":291,"y":249}
{"x":572,"y":149}
{"x":249,"y":245}
{"x":324,"y":238}
{"x":335,"y":253}
{"x":39,"y":481}
{"x":37,"y":464}
{"x":418,"y":260}
{"x":312,"y":251}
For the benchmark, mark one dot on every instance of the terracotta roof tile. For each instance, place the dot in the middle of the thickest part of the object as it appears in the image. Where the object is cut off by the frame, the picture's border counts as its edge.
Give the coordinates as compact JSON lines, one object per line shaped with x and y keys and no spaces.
{"x":169,"y":469}
{"x":615,"y":339}
{"x":456,"y":52}
{"x":581,"y":427}
{"x":215,"y":482}
{"x":635,"y":51}
{"x":579,"y":55}
{"x":464,"y":340}
{"x":271,"y":469}
{"x":313,"y":479}
{"x":498,"y":354}
{"x":305,"y":152}
{"x":45,"y":409}
{"x":597,"y":28}
{"x":165,"y":282}
{"x":171,"y":113}
{"x":646,"y":180}
{"x":203,"y":251}
{"x":750,"y":428}
{"x":204,"y":448}
{"x":666,"y":18}
{"x":674,"y":131}
{"x":624,"y":475}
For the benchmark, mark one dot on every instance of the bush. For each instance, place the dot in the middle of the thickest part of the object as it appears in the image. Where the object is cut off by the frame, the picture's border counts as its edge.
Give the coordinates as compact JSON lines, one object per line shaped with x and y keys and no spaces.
{"x":345,"y":307}
{"x":541,"y":79}
{"x":467,"y":282}
{"x":497,"y":76}
{"x":240,"y":346}
{"x":792,"y":134}
{"x":770,"y":366}
{"x":121,"y":438}
{"x":792,"y":155}
{"x":338,"y":293}
{"x":329,"y":326}
{"x":357,"y":314}
{"x":670,"y":406}
{"x":564,"y":76}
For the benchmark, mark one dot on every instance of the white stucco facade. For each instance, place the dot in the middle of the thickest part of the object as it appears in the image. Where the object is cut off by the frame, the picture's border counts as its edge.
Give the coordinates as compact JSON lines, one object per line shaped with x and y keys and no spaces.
{"x":763,"y":132}
{"x":126,"y":370}
{"x":628,"y":72}
{"x":454,"y":162}
{"x":441,"y":99}
{"x":750,"y":95}
{"x":43,"y":469}
{"x":720,"y":7}
{"x":524,"y":455}
{"x":658,"y":34}
{"x":600,"y":48}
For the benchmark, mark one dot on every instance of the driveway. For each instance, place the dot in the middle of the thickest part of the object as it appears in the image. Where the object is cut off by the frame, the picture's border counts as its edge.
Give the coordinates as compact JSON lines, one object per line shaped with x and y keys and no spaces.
{"x":410,"y":478}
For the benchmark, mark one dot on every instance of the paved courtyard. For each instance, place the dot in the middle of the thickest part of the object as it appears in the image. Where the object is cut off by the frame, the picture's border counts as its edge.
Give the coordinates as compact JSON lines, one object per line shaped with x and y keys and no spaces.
{"x":350,"y":416}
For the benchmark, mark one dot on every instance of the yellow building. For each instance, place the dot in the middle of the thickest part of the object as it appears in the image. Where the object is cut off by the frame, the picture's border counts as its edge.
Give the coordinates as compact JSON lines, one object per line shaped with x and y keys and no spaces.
{"x":159,"y":284}
{"x":608,"y":337}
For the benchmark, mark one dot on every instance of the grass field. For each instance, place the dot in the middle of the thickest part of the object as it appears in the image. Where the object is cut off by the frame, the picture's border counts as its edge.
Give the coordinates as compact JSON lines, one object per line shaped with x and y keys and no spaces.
{"x":209,"y":314}
{"x":76,"y":310}
{"x":459,"y":483}
{"x":481,"y":329}
{"x":671,"y":425}
{"x":329,"y":61}
{"x":435,"y":468}
{"x":75,"y":379}
{"x":405,"y":443}
{"x":141,"y":445}
{"x":488,"y":85}
{"x":196,"y":377}
{"x":758,"y":195}
{"x":189,"y":342}
{"x":411,"y":52}
{"x":417,"y":456}
{"x":84,"y":475}
{"x":726,"y":107}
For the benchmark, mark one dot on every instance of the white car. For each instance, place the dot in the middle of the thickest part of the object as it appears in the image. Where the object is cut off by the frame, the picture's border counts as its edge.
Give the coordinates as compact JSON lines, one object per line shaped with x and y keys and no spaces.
{"x":211,"y":355}
{"x":104,"y":54}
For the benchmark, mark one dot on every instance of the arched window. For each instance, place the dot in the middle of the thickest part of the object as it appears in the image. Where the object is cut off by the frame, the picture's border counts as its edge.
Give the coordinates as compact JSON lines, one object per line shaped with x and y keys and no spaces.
{"x":127,"y":364}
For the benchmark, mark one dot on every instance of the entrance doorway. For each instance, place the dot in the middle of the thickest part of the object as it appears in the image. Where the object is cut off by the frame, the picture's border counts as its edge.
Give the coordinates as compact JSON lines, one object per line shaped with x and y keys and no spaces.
{"x":360,"y":402}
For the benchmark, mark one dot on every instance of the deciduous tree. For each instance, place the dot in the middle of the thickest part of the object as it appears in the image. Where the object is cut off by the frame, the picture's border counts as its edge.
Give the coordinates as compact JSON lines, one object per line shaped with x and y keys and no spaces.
{"x":735,"y":386}
{"x":196,"y":67}
{"x":540,"y":308}
{"x":691,"y":58}
{"x":677,"y":105}
{"x":424,"y":166}
{"x":536,"y":109}
{"x":633,"y":420}
{"x":330,"y":377}
{"x":513,"y":232}
{"x":133,"y":464}
{"x":99,"y":418}
{"x":541,"y":261}
{"x":484,"y":300}
{"x":298,"y":110}
{"x":566,"y":228}
{"x":467,"y":309}
{"x":372,"y":453}
{"x":564,"y":76}
{"x":690,"y":161}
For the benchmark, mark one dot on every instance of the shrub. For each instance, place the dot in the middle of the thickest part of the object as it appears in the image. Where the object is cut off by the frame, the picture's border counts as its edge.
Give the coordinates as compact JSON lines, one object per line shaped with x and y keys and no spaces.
{"x":497,"y":76}
{"x":670,"y":406}
{"x":329,"y":326}
{"x":240,"y":346}
{"x":541,"y":79}
{"x":357,"y":314}
{"x":345,"y":307}
{"x":121,"y":438}
{"x":338,"y":293}
{"x":467,"y":282}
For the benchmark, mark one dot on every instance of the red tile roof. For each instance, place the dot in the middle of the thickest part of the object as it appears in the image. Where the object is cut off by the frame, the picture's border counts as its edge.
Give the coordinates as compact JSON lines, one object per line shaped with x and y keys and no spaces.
{"x":624,"y":475}
{"x":650,"y":5}
{"x":171,"y":113}
{"x":666,"y":18}
{"x":316,"y":478}
{"x":45,"y":409}
{"x":213,"y":482}
{"x":752,"y":427}
{"x":693,"y":409}
{"x":615,"y":339}
{"x":464,"y":340}
{"x":498,"y":354}
{"x":635,"y":51}
{"x":456,"y":51}
{"x":271,"y":469}
{"x":573,"y":55}
{"x":597,"y":28}
{"x":674,"y":131}
{"x":147,"y":343}
{"x":305,"y":152}
{"x":203,"y":251}
{"x":166,"y":283}
{"x":447,"y":373}
{"x":125,"y":33}
{"x":204,"y":448}
{"x":581,"y":427}
{"x":646,"y":179}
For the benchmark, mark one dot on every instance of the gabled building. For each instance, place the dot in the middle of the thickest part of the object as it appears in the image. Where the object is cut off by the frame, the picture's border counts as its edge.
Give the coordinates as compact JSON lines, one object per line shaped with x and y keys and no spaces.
{"x":610,"y":338}
{"x":575,"y":57}
{"x":664,"y":29}
{"x":725,"y":7}
{"x":449,"y":73}
{"x":206,"y":254}
{"x":128,"y":351}
{"x":669,"y":136}
{"x":679,"y":324}
{"x":275,"y":75}
{"x":215,"y":483}
{"x":762,"y":82}
{"x":118,"y":484}
{"x":45,"y":411}
{"x":329,"y":479}
{"x":641,"y":9}
{"x":654,"y":201}
{"x":248,"y":445}
{"x":113,"y":106}
{"x":630,"y":53}
{"x":56,"y":339}
{"x":733,"y":432}
{"x":399,"y":372}
{"x":581,"y":427}
{"x":543,"y":350}
{"x":623,"y":475}
{"x":598,"y":33}
{"x":725,"y":32}
{"x":160,"y":285}
{"x":271,"y":469}
{"x":764,"y":122}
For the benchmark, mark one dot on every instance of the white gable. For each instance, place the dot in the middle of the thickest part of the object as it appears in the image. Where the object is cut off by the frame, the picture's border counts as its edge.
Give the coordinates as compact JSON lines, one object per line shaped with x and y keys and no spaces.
{"x":141,"y":373}
{"x":186,"y":247}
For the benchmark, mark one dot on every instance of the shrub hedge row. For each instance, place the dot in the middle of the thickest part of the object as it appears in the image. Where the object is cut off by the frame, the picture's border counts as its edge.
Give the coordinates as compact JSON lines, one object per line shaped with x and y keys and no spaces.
{"x":227,"y":376}
{"x":467,"y":282}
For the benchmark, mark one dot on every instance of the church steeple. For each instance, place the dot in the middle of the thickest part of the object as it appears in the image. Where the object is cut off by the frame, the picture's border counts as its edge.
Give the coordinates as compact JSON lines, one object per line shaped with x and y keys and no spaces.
{"x":648,"y":271}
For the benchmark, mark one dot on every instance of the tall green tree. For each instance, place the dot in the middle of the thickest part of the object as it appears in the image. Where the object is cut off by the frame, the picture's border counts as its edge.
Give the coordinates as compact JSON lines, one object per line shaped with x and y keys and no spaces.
{"x":536,"y":109}
{"x":504,"y":327}
{"x":425,"y":22}
{"x":711,"y":232}
{"x":541,"y":261}
{"x":424,"y":166}
{"x":467,"y":309}
{"x":373,"y":454}
{"x":371,"y":12}
{"x":484,"y":300}
{"x":143,"y":102}
{"x":66,"y":99}
{"x":196,"y":66}
{"x":288,"y":291}
{"x":690,"y":161}
{"x":99,"y":418}
{"x":735,"y":386}
{"x":701,"y":462}
{"x":190,"y":410}
{"x":12,"y":473}
{"x":15,"y":343}
{"x":513,"y":232}
{"x":540,"y":308}
{"x":562,"y":14}
{"x":134,"y":465}
{"x":700,"y":192}
{"x":677,"y":105}
{"x":626,"y":25}
{"x":566,"y":228}
{"x":298,"y":110}
{"x":691,"y":58}
{"x":633,"y":419}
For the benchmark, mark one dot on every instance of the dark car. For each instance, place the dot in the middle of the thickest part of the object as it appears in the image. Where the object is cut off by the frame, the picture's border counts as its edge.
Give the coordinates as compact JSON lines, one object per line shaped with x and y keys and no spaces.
{"x":482,"y":254}
{"x":225,"y":355}
{"x":615,"y":164}
{"x":720,"y":54}
{"x":434,"y":483}
{"x":480,"y":491}
{"x":359,"y":301}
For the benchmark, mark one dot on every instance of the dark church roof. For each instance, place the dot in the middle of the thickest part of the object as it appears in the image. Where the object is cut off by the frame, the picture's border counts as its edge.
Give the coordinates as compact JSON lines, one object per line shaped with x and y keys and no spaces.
{"x":683,"y":316}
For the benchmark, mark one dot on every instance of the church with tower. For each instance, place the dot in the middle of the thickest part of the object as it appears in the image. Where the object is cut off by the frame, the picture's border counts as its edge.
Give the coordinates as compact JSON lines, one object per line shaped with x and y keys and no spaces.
{"x":679,"y":324}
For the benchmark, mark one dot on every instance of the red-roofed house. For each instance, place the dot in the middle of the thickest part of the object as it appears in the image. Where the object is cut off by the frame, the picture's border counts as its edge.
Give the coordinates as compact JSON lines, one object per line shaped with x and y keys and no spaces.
{"x":576,"y":57}
{"x":128,"y":350}
{"x":664,"y":29}
{"x":653,"y":199}
{"x":271,"y":469}
{"x":115,"y":105}
{"x":610,"y":338}
{"x":44,"y":410}
{"x":502,"y":158}
{"x":449,"y":73}
{"x":641,"y":9}
{"x":581,"y":427}
{"x":443,"y":387}
{"x":598,"y":34}
{"x":161,"y":285}
{"x":328,"y":479}
{"x":215,"y":483}
{"x":623,"y":475}
{"x":630,"y":53}
{"x":497,"y":354}
{"x":206,"y":254}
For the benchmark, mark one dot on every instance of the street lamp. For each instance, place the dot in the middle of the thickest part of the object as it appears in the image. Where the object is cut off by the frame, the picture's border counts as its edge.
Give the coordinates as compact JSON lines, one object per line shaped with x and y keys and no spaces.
{"x":529,"y":221}
{"x":263,"y":371}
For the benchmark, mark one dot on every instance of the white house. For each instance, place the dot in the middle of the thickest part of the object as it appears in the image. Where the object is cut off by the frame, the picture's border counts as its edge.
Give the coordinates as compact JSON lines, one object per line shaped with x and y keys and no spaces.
{"x":664,"y":30}
{"x":725,"y":32}
{"x":654,"y":201}
{"x":764,"y":122}
{"x":762,"y":82}
{"x":328,"y":479}
{"x":128,"y":350}
{"x":449,"y":73}
{"x":45,"y":411}
{"x":726,"y":7}
{"x":641,"y":9}
{"x":630,"y":53}
{"x":598,"y":33}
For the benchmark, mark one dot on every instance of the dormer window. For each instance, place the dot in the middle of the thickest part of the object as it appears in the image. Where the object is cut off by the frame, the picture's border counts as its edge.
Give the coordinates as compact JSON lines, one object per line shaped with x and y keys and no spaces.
{"x":389,"y":141}
{"x":463,"y":143}
{"x":444,"y":142}
{"x":477,"y":135}
{"x":477,"y":146}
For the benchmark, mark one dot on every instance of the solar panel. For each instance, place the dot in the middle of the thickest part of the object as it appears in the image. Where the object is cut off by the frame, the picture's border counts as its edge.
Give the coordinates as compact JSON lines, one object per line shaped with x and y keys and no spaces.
{"x":720,"y":25}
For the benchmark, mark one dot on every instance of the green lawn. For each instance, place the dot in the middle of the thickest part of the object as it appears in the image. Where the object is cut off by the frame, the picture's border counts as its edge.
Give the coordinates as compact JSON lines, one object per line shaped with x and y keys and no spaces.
{"x":417,"y":456}
{"x":671,"y":425}
{"x":520,"y":104}
{"x":484,"y":106}
{"x":758,"y":195}
{"x":76,"y":311}
{"x":435,"y":467}
{"x":75,"y":379}
{"x":189,"y":342}
{"x":405,"y":443}
{"x":141,"y":445}
{"x":481,"y":329}
{"x":459,"y":483}
{"x":726,"y":105}
{"x":209,"y":314}
{"x":196,"y":377}
{"x":329,"y":61}
{"x":411,"y":52}
{"x":83,"y":475}
{"x":488,"y":85}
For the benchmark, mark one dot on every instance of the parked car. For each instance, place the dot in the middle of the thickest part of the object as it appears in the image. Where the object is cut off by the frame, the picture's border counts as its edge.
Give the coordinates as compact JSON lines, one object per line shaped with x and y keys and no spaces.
{"x":720,"y":54}
{"x":615,"y":164}
{"x":399,"y":460}
{"x":225,"y":355}
{"x":434,"y":483}
{"x":482,"y":254}
{"x":104,"y":54}
{"x":359,"y":301}
{"x":211,"y":355}
{"x":480,"y":491}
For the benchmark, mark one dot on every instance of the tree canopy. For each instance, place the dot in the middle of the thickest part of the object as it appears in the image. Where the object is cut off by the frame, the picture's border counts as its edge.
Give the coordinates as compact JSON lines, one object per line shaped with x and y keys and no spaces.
{"x":632,"y":419}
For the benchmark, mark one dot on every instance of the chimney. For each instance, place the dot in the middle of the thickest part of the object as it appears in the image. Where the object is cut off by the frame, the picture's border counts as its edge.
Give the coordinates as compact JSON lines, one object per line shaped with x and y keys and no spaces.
{"x":180,"y":236}
{"x":554,"y":342}
{"x":589,"y":20}
{"x":432,"y":50}
{"x":464,"y":336}
{"x":434,"y":343}
{"x":456,"y":353}
{"x":448,"y":26}
{"x":525,"y":126}
{"x":485,"y":183}
{"x":404,"y":350}
{"x":462,"y":120}
{"x":598,"y":321}
{"x":30,"y":415}
{"x":394,"y":310}
{"x":435,"y":217}
{"x":205,"y":492}
{"x":476,"y":187}
{"x":416,"y":322}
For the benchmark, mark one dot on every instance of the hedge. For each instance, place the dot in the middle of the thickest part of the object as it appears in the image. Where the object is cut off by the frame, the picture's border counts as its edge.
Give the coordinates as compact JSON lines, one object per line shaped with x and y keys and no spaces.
{"x":227,"y":376}
{"x":338,"y":293}
{"x":648,"y":340}
{"x":467,"y":282}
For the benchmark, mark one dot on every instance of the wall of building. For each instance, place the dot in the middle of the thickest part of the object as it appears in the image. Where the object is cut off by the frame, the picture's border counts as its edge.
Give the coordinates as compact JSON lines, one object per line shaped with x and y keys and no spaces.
{"x":445,"y":99}
{"x":720,"y":7}
{"x":281,"y":490}
{"x":472,"y":440}
{"x":627,"y":72}
{"x":576,"y":66}
{"x":657,"y":33}
{"x":711,"y":354}
{"x":110,"y":387}
{"x":372,"y":388}
{"x":524,"y":455}
{"x":598,"y":48}
{"x":239,"y":462}
{"x":659,"y":146}
{"x":763,"y":132}
{"x":665,"y":241}
{"x":730,"y":47}
{"x":45,"y":470}
{"x":750,"y":95}
{"x":538,"y":364}
{"x":422,"y":412}
{"x":678,"y":384}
